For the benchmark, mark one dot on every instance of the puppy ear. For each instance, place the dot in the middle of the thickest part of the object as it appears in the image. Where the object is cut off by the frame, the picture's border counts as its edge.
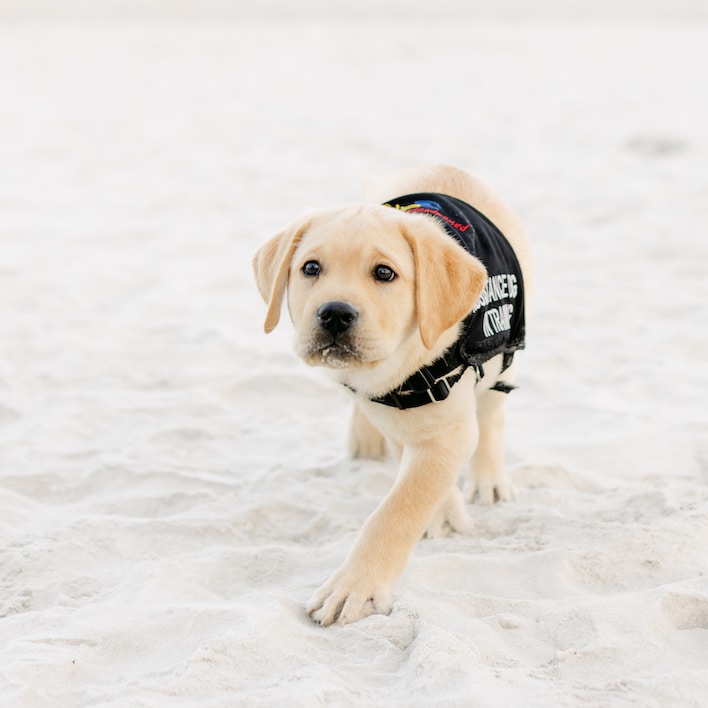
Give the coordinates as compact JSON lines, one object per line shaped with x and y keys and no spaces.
{"x":449,"y":280}
{"x":271,"y":264}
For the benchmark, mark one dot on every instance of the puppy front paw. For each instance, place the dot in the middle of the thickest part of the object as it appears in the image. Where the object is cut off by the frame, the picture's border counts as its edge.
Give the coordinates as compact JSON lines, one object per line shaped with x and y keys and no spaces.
{"x":490,"y":488}
{"x":347,"y":597}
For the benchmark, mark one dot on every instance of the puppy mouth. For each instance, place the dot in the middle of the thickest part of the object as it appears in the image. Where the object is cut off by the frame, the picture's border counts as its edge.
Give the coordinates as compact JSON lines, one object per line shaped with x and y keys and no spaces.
{"x":336,"y":355}
{"x":331,"y":353}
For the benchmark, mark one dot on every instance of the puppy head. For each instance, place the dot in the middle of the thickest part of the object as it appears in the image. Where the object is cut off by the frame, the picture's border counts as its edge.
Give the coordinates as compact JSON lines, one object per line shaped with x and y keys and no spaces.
{"x":363,"y":280}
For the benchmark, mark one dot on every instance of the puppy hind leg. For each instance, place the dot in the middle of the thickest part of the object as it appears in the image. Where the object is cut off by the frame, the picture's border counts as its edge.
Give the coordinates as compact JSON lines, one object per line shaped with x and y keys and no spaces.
{"x":488,"y":481}
{"x":365,"y":440}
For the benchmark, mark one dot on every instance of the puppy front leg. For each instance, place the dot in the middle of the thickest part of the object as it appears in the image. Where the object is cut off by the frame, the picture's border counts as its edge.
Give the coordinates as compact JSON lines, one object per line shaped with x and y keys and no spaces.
{"x":363,"y":584}
{"x":365,"y":440}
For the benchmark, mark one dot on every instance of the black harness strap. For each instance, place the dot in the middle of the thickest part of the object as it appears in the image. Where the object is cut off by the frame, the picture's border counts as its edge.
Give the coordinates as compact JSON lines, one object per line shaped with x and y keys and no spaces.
{"x":432,"y":384}
{"x":409,"y":396}
{"x":496,"y":325}
{"x":503,"y":387}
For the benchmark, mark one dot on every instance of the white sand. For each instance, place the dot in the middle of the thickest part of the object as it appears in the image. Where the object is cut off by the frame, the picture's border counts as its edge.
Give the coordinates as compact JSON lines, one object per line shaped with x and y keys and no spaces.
{"x":173,"y":484}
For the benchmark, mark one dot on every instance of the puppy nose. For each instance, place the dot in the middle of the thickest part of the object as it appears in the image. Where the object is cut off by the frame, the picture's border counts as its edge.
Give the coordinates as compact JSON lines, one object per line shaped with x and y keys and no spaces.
{"x":336,"y":317}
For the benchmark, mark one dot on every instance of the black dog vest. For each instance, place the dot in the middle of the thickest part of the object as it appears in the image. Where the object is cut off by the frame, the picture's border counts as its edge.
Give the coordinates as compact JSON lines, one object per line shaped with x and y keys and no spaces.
{"x":496,"y":324}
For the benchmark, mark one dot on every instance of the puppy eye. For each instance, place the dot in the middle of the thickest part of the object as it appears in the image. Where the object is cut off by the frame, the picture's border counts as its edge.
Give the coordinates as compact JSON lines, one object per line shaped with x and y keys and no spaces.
{"x":384,"y":273}
{"x":311,"y":269}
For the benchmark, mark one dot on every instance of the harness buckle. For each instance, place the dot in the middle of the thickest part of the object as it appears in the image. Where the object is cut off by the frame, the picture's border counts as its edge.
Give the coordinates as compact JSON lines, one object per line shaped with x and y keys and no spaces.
{"x":439,"y":391}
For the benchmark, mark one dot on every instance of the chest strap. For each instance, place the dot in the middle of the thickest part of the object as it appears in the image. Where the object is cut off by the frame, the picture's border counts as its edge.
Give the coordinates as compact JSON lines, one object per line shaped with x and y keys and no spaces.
{"x":432,"y":384}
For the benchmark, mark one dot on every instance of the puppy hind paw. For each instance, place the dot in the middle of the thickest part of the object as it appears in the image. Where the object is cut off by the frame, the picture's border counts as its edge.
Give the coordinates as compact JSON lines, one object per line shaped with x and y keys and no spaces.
{"x":489,"y":492}
{"x":449,"y":517}
{"x":438,"y":528}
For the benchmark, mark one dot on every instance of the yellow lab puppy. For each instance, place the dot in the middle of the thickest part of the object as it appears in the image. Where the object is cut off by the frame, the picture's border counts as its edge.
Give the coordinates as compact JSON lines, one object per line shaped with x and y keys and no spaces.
{"x":416,"y":307}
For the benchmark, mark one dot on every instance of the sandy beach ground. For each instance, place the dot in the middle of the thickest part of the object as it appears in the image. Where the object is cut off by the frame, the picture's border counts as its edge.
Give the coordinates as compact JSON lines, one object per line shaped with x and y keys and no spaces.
{"x":174,"y":483}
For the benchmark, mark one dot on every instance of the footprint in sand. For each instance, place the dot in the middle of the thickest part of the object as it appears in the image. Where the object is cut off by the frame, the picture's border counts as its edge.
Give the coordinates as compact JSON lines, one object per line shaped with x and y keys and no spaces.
{"x":657,"y":145}
{"x":686,"y":611}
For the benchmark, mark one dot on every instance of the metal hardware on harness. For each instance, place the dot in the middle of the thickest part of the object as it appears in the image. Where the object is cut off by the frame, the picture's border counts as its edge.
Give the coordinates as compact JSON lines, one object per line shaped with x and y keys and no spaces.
{"x":439,"y":391}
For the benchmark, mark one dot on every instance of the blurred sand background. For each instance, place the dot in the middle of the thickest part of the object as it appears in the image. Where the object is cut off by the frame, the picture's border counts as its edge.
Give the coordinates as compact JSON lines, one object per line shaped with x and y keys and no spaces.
{"x":173,"y":482}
